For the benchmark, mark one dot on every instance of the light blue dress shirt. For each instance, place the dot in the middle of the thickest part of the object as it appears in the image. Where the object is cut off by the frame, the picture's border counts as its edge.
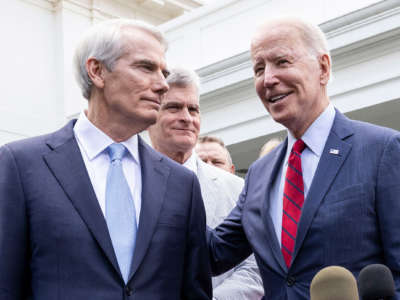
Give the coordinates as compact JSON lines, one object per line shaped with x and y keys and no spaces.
{"x":92,"y":144}
{"x":315,"y":138}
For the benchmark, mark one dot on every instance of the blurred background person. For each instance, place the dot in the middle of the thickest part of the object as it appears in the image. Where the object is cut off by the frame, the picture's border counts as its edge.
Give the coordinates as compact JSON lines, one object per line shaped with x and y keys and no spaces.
{"x":269,"y":146}
{"x":212,"y":150}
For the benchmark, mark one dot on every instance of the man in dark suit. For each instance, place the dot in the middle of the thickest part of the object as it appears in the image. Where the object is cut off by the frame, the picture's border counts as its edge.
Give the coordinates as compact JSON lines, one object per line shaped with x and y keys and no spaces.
{"x":91,"y":211}
{"x":329,"y":194}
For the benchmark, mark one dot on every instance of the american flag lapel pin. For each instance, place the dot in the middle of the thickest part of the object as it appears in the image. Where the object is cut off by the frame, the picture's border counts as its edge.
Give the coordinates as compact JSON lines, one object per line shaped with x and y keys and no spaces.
{"x":334,"y":151}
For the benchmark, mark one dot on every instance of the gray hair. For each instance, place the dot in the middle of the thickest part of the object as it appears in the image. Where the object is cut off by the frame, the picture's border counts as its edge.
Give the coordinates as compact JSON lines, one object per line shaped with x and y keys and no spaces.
{"x":181,"y":77}
{"x":103,"y":41}
{"x":312,"y":35}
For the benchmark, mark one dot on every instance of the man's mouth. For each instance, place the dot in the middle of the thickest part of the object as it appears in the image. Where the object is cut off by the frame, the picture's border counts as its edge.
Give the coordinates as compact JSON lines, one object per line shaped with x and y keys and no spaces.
{"x":277,"y":98}
{"x":154,"y":100}
{"x":183,"y":129}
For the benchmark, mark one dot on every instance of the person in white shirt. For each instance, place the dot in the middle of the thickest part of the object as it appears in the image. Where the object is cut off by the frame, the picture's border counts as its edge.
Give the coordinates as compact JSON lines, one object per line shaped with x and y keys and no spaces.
{"x":175,"y":134}
{"x":212,"y":151}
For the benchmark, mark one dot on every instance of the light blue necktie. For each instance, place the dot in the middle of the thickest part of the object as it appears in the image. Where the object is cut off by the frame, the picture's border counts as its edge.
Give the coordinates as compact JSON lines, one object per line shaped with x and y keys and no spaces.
{"x":120,"y":211}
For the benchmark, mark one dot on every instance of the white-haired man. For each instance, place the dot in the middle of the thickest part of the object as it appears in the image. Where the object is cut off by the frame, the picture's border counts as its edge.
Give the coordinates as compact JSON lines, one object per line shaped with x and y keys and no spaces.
{"x":329,"y":194}
{"x":91,"y":211}
{"x":175,"y":135}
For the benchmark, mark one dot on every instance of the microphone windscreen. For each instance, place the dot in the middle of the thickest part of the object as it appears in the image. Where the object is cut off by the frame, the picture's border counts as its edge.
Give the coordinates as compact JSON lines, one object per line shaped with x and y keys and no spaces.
{"x":376,"y":282}
{"x":334,"y":283}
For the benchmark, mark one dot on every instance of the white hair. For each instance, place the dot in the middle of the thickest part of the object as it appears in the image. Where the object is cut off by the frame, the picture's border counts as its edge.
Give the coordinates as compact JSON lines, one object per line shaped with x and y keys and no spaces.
{"x":312,"y":35}
{"x":103,"y":41}
{"x":182,"y":77}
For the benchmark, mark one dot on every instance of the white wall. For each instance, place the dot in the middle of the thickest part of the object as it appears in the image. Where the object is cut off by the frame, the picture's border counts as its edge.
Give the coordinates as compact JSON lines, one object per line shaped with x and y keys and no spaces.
{"x":28,"y":103}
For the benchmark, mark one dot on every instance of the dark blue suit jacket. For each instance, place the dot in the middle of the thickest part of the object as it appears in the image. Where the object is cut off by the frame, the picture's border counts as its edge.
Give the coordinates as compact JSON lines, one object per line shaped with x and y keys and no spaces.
{"x":54,"y":242}
{"x":351,"y":216}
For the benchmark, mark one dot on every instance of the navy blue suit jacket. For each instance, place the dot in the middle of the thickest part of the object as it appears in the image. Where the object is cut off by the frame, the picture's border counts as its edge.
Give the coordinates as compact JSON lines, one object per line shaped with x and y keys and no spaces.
{"x":54,"y":241}
{"x":351,"y":216}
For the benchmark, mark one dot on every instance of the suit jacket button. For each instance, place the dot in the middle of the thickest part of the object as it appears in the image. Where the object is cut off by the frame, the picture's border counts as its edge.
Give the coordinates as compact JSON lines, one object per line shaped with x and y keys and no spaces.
{"x":128,"y":291}
{"x":290,"y":280}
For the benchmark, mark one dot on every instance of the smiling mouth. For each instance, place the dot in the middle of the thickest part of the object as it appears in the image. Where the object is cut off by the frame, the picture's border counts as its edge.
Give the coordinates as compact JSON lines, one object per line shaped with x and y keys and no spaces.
{"x":184,"y":130}
{"x":278,"y":97}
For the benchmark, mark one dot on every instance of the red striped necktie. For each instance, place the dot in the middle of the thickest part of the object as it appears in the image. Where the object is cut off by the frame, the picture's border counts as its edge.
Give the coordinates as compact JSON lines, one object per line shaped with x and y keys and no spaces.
{"x":293,"y":199}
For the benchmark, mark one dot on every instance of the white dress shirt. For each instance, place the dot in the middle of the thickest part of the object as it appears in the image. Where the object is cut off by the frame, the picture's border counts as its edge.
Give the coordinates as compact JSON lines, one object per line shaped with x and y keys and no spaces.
{"x":93,"y":144}
{"x":315,"y":138}
{"x":191,"y":163}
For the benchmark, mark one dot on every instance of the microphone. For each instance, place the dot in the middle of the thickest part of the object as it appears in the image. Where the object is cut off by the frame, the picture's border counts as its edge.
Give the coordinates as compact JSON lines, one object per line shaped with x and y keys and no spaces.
{"x":334,"y":283}
{"x":375,"y":282}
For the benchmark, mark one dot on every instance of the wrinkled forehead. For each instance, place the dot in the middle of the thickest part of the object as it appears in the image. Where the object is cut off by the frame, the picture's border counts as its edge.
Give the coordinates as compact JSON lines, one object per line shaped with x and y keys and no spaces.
{"x":186,"y":95}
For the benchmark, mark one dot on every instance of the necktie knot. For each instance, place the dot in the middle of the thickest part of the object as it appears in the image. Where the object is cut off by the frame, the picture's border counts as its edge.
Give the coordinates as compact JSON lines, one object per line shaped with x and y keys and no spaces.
{"x":116,"y":151}
{"x":299,"y":146}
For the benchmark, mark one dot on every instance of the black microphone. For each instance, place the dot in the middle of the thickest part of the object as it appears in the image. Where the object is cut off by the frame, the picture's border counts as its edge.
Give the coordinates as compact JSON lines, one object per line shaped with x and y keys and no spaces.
{"x":375,"y":282}
{"x":334,"y":283}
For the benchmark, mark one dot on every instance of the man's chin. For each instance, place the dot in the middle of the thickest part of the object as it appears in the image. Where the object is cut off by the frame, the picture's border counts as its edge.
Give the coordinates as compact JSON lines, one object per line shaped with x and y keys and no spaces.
{"x":184,"y":143}
{"x":146,"y":120}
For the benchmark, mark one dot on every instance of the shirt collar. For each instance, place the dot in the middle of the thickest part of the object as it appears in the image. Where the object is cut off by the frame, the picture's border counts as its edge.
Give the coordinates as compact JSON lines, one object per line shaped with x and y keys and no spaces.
{"x":191,"y":162}
{"x":94,"y":141}
{"x":316,"y":135}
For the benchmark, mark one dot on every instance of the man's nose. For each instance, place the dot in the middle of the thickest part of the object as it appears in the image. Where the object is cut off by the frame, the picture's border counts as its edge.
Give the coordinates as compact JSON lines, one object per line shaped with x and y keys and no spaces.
{"x":270,"y":78}
{"x":185,"y":115}
{"x":160,"y":85}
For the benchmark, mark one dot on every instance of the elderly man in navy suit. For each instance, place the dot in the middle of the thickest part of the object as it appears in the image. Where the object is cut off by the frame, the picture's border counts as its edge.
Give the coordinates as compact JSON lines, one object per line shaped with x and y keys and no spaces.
{"x":91,"y":211}
{"x":329,"y":194}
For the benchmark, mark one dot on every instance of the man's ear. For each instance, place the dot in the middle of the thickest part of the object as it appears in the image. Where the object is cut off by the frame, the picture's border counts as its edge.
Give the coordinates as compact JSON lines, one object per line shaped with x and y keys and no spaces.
{"x":95,"y":70}
{"x":233,"y":169}
{"x":325,"y":66}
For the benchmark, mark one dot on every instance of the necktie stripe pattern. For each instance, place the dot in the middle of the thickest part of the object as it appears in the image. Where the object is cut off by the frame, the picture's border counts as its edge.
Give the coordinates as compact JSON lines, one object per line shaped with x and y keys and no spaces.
{"x":293,"y":199}
{"x":120,"y":211}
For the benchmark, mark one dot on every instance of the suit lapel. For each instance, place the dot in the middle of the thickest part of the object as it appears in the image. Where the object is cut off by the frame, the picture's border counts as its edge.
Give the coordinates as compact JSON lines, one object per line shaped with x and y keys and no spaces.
{"x":328,"y":167}
{"x":66,"y":163}
{"x":271,"y":175}
{"x":154,"y":183}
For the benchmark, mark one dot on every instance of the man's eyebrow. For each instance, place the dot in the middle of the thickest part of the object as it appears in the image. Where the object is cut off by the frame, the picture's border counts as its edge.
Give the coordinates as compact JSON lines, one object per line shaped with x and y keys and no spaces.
{"x":194,"y":106}
{"x":280,"y":56}
{"x":171,"y":103}
{"x":257,"y":63}
{"x":145,"y":61}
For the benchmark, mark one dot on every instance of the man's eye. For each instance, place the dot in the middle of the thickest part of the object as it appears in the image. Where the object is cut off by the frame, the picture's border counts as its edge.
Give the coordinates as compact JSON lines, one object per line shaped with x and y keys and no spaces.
{"x":147,"y":67}
{"x":282,"y":61}
{"x":194,"y":111}
{"x":173,"y":108}
{"x":258,"y":71}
